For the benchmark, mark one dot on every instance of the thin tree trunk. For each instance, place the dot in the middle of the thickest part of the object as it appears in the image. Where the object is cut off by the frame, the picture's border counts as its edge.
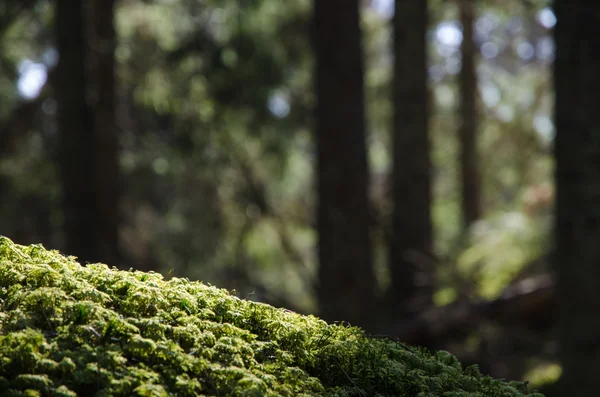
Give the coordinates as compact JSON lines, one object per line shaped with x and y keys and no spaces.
{"x":102,"y":70}
{"x":347,"y":283}
{"x":410,"y":245}
{"x":577,"y":153}
{"x":469,"y":177}
{"x":75,"y":125}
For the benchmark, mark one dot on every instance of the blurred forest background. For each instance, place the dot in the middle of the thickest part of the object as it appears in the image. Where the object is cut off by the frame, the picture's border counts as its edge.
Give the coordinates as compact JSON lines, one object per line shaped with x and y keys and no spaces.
{"x":390,"y":169}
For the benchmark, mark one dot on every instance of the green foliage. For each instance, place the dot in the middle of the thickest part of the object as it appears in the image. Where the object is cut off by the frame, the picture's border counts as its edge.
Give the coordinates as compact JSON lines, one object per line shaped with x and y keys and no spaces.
{"x":499,"y":249}
{"x":67,"y":330}
{"x":545,"y":375}
{"x":201,"y":151}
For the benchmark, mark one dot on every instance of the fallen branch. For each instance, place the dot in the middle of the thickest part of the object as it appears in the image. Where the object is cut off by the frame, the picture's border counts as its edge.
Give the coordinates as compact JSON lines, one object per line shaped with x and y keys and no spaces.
{"x":531,"y":303}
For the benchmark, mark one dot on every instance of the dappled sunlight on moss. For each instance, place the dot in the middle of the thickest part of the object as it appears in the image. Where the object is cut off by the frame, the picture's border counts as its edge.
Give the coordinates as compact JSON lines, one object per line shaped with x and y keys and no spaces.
{"x":68,"y":330}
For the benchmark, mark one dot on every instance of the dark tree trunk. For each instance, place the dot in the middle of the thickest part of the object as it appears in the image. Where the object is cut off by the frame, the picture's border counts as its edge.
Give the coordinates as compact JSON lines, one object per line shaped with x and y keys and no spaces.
{"x":347,"y":284}
{"x":410,"y":246}
{"x":88,"y":153}
{"x":102,"y":69}
{"x":469,"y":177}
{"x":577,"y":153}
{"x":75,"y":125}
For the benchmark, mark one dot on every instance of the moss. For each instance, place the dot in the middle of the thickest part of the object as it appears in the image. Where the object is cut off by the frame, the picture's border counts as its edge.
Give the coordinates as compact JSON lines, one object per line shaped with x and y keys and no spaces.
{"x":68,"y":330}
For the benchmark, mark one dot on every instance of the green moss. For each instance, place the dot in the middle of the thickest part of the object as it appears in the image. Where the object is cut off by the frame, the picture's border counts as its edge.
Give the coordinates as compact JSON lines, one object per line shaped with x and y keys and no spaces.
{"x":68,"y":330}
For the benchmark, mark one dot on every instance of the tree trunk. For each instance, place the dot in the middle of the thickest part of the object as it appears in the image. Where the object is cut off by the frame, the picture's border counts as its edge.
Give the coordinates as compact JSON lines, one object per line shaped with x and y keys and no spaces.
{"x":346,"y":278}
{"x":469,"y":178}
{"x":410,"y":246}
{"x":577,"y":152}
{"x":75,"y":125}
{"x":88,"y":154}
{"x":102,"y":68}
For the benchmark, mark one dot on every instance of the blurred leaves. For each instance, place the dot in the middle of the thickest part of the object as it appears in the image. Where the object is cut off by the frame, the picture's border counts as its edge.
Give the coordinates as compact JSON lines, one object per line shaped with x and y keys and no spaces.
{"x":215,"y":105}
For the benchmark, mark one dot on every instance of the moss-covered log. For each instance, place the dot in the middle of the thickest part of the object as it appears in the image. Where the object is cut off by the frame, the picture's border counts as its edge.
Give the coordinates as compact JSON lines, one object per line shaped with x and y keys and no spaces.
{"x":72,"y":330}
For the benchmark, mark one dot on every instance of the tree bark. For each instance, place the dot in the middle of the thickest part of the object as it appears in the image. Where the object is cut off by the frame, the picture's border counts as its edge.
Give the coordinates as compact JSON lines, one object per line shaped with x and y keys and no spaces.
{"x":102,"y":68}
{"x":469,"y":177}
{"x":577,"y":155}
{"x":410,"y":244}
{"x":75,"y":124}
{"x":88,"y":140}
{"x":347,"y":283}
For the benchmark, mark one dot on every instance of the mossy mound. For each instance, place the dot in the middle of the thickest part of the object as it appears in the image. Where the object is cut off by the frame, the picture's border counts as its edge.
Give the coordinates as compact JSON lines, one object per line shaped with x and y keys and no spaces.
{"x":72,"y":330}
